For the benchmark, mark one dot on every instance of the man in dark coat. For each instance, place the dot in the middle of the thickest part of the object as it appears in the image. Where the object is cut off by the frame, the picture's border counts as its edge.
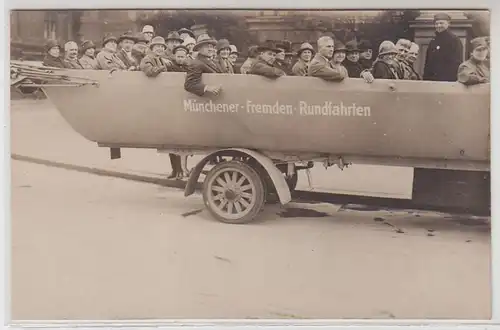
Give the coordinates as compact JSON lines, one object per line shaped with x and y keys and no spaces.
{"x":179,"y":64}
{"x":205,"y":47}
{"x":475,"y":70}
{"x":445,"y":52}
{"x":53,"y":56}
{"x":127,"y":42}
{"x":264,"y":65}
{"x":280,"y":61}
{"x":351,"y":63}
{"x":173,"y":39}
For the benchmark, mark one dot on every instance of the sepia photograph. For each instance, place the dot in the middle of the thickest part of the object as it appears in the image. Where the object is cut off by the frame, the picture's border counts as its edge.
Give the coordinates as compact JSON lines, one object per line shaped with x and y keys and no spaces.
{"x":250,"y":164}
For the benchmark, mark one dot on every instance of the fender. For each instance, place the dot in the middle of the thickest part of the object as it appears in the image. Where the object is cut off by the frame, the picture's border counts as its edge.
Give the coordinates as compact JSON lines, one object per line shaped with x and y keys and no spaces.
{"x":274,"y":173}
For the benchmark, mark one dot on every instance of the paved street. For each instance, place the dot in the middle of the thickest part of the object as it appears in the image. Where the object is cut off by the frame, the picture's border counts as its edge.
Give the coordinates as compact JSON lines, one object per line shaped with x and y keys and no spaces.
{"x":94,"y":247}
{"x":90,"y":247}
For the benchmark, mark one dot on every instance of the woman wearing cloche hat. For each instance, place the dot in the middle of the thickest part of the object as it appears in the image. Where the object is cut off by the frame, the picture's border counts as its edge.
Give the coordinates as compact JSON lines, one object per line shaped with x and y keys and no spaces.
{"x":88,"y":59}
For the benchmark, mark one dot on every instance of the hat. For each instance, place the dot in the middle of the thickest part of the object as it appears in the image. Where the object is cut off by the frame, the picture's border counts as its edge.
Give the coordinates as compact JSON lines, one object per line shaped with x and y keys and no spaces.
{"x":268,"y":45}
{"x":352,"y":46}
{"x":108,"y":38}
{"x":204,"y":39}
{"x":139,"y":50}
{"x":148,"y":29}
{"x":479,"y":42}
{"x":157,"y":41}
{"x":305,"y":46}
{"x":189,"y":41}
{"x":174,"y":35}
{"x":176,"y":48}
{"x":87,"y":44}
{"x":223,"y":44}
{"x":127,"y":36}
{"x":140,"y":37}
{"x":339,"y":47}
{"x":51,"y":44}
{"x":234,"y":50}
{"x":442,"y":17}
{"x":387,"y":47}
{"x":188,"y":31}
{"x":253,"y":51}
{"x":364,"y":45}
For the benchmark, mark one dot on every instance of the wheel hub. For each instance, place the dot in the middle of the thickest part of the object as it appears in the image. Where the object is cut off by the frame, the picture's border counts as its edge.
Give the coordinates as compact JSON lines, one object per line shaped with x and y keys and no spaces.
{"x":230,"y":195}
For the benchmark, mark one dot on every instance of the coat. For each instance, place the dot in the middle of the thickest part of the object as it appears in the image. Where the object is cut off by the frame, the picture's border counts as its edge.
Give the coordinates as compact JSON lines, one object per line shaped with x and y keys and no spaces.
{"x":365,"y":64}
{"x":152,"y":65}
{"x":443,"y":57}
{"x":128,"y":61}
{"x":195,"y":69}
{"x":73,"y":64}
{"x":89,"y":63}
{"x":300,"y":68}
{"x":224,"y":65}
{"x":409,"y":72}
{"x":108,"y":60}
{"x":247,"y":65}
{"x":174,"y":67}
{"x":386,"y":69}
{"x":322,"y":68}
{"x":472,"y":72}
{"x":285,"y":67}
{"x":262,"y":68}
{"x":55,"y":62}
{"x":353,"y":68}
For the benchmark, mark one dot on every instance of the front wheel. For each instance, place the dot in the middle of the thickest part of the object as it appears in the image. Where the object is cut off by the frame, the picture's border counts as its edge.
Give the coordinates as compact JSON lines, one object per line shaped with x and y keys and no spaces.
{"x":233,"y":192}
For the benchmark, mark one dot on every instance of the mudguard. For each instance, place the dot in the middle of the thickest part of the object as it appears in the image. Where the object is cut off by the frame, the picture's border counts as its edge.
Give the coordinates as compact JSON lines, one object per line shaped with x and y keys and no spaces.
{"x":274,"y":173}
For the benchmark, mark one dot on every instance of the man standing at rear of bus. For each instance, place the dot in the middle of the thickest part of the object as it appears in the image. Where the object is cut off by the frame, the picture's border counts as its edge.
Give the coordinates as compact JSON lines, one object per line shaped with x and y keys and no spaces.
{"x":445,"y":52}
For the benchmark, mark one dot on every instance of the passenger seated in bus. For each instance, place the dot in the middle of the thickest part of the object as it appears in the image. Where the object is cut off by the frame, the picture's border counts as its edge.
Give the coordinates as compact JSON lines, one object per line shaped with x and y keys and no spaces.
{"x":179,"y":64}
{"x":365,"y":54}
{"x":88,"y":60}
{"x":264,"y":65}
{"x":252,"y":57}
{"x":351,"y":63}
{"x":127,"y":42}
{"x":403,"y":47}
{"x":475,"y":70}
{"x":280,"y":61}
{"x":385,"y":66}
{"x":233,"y":57}
{"x":185,"y":33}
{"x":205,"y":46}
{"x":222,"y":58}
{"x":107,"y":58}
{"x":339,"y":55}
{"x":153,"y":64}
{"x":71,"y":56}
{"x":140,"y":48}
{"x":321,"y":66}
{"x":305,"y":54}
{"x":173,"y":40}
{"x":53,"y":56}
{"x":410,"y":60}
{"x":189,"y":44}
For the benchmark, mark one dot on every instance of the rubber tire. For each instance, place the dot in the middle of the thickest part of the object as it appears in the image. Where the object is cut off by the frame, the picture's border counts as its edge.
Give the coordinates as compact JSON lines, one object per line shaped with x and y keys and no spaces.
{"x":252,"y":175}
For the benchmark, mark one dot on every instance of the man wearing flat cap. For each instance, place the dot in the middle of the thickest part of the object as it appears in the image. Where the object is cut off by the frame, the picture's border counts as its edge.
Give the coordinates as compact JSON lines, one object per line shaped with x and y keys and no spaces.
{"x":222,"y":58}
{"x":205,"y":48}
{"x":475,"y":70}
{"x":53,"y":55}
{"x":88,"y":60}
{"x":126,"y":42}
{"x":305,"y":54}
{"x":179,"y":64}
{"x":107,"y":58}
{"x":445,"y":52}
{"x":264,"y":65}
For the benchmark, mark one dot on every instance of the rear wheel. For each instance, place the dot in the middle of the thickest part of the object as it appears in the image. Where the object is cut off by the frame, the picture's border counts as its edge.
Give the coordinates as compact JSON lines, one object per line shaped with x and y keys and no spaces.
{"x":233,"y":192}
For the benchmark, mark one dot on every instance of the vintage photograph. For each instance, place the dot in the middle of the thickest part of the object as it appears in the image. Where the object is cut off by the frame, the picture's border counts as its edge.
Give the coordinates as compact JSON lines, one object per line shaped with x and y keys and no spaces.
{"x":250,"y":164}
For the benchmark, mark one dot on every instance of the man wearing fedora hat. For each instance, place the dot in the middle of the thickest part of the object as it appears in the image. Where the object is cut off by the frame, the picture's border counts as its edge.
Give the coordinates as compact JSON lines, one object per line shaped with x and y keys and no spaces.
{"x":385,"y":66}
{"x":265,"y":64}
{"x":351,"y":63}
{"x":88,"y":60}
{"x":365,"y":54}
{"x":173,"y":39}
{"x":185,"y":33}
{"x":180,"y":60}
{"x":280,"y":62}
{"x":252,"y":57}
{"x":321,"y":65}
{"x":475,"y":70}
{"x":107,"y":59}
{"x":205,"y":46}
{"x":153,"y":64}
{"x":126,"y":42}
{"x":445,"y":52}
{"x":140,"y":48}
{"x":305,"y":54}
{"x":53,"y":55}
{"x":222,"y":58}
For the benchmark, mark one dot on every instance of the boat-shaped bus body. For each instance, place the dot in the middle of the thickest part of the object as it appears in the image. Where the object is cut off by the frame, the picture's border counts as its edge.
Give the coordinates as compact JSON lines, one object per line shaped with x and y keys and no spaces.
{"x":420,"y":124}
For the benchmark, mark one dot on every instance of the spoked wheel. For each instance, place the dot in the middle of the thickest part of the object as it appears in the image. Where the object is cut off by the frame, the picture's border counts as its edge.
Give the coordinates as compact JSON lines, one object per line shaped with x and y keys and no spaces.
{"x":233,"y":192}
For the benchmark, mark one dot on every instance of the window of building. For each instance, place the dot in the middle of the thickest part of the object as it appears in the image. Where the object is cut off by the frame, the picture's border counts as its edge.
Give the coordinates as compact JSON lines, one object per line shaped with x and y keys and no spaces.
{"x":49,"y":31}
